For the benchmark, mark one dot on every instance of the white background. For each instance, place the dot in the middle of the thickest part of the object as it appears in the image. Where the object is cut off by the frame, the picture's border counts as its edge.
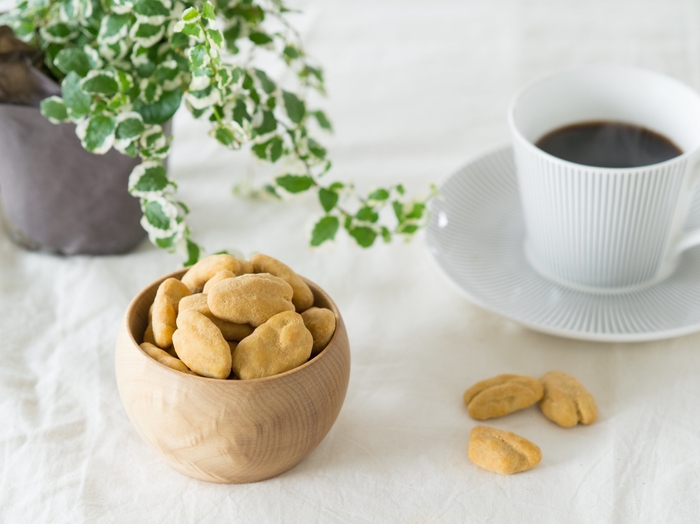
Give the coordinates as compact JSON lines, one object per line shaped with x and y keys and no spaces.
{"x":417,"y":88}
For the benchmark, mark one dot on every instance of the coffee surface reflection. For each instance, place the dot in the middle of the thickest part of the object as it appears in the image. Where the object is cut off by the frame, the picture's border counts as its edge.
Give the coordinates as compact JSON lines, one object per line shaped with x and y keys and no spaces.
{"x":608,"y":144}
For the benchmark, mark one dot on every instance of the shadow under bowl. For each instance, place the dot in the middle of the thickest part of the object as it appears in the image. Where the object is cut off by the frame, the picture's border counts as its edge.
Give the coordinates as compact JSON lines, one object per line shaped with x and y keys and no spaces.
{"x":230,"y":431}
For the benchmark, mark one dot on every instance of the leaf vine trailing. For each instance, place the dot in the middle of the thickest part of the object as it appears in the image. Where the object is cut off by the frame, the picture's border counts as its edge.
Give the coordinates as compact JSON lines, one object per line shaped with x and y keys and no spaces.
{"x":125,"y":67}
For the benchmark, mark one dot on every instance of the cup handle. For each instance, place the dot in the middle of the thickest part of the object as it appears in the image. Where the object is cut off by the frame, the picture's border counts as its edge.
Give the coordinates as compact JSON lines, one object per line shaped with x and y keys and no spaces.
{"x":691,"y":238}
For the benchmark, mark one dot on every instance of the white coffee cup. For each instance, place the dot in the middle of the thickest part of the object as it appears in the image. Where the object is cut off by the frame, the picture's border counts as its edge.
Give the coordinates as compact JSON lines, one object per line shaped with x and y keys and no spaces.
{"x":606,"y":229}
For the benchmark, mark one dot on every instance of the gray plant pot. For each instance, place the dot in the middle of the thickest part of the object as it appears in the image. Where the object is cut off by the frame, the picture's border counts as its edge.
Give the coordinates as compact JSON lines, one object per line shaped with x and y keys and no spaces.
{"x":56,"y":196}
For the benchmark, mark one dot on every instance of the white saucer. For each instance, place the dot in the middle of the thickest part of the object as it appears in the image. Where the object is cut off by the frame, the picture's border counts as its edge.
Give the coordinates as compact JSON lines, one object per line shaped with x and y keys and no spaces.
{"x":476,"y":235}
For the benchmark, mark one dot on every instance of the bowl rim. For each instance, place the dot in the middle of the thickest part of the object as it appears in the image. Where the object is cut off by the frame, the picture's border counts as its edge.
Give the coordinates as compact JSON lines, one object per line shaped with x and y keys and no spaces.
{"x":238,"y":382}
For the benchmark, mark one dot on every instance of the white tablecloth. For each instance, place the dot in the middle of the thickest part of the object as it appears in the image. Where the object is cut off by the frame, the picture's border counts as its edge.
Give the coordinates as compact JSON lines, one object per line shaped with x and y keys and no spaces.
{"x":416,"y":89}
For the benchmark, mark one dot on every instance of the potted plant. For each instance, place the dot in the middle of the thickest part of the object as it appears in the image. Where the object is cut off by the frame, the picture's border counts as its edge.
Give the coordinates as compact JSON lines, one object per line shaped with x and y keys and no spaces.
{"x":126,"y":66}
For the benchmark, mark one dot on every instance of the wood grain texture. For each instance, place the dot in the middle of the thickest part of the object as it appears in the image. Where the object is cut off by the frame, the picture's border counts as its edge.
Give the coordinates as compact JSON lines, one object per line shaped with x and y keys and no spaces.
{"x":230,"y":431}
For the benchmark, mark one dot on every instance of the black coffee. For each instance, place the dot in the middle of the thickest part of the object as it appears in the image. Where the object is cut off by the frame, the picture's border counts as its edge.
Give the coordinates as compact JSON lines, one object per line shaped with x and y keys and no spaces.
{"x":608,"y":144}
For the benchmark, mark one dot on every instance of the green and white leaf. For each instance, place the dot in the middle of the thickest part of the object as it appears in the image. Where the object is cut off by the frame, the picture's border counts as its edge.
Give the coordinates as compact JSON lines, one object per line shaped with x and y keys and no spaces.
{"x":125,"y":147}
{"x":58,"y":32}
{"x":208,"y":11}
{"x":147,"y":35}
{"x":129,"y":125}
{"x":73,"y":59}
{"x":73,"y":11}
{"x":96,"y":133}
{"x":150,"y":91}
{"x":77,"y":101}
{"x":113,"y":28}
{"x":198,"y":56}
{"x":160,"y":219}
{"x":198,"y":83}
{"x":124,"y":80}
{"x":122,"y":6}
{"x":54,"y":109}
{"x":153,"y":12}
{"x":153,"y":138}
{"x":216,"y":38}
{"x":161,"y":111}
{"x":139,"y":55}
{"x":191,"y":15}
{"x":100,"y":82}
{"x":148,"y":180}
{"x":190,"y":29}
{"x":205,"y":98}
{"x":168,"y":75}
{"x":94,"y":57}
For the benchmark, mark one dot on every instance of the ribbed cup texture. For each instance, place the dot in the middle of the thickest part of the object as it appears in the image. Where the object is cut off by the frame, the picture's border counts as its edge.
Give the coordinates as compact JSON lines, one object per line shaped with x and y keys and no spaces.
{"x":597,"y":227}
{"x":476,"y":234}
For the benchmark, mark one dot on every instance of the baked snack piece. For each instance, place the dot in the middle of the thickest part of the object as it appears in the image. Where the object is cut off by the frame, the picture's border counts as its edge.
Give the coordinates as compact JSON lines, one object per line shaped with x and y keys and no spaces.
{"x":280,"y":344}
{"x":321,"y":324}
{"x":198,"y":274}
{"x":165,"y":358}
{"x":165,"y":308}
{"x":502,"y":451}
{"x":500,"y":395}
{"x":566,"y":401}
{"x":230,"y":330}
{"x":250,"y":299}
{"x":303,"y":297}
{"x":201,"y":346}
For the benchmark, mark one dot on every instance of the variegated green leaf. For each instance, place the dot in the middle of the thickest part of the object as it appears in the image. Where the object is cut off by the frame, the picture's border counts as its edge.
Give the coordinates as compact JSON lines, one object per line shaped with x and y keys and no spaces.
{"x":73,"y":11}
{"x":100,"y":83}
{"x":58,"y":32}
{"x":73,"y":59}
{"x":161,"y":111}
{"x":151,"y":11}
{"x":146,"y":34}
{"x":113,"y":28}
{"x":77,"y":101}
{"x":189,"y":29}
{"x":208,"y":11}
{"x":190,"y":15}
{"x":294,"y":106}
{"x":97,"y":133}
{"x":122,"y":6}
{"x":148,"y":178}
{"x":215,"y":37}
{"x":54,"y":109}
{"x":129,"y":125}
{"x":153,"y":138}
{"x":150,"y":91}
{"x":198,"y":57}
{"x":204,"y":98}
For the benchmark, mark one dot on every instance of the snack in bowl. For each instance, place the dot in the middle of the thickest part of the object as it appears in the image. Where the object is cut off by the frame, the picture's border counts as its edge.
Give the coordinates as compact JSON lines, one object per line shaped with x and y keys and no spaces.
{"x":258,"y":309}
{"x":230,"y":330}
{"x":280,"y":344}
{"x":302,"y":298}
{"x":250,"y":299}
{"x":221,"y":275}
{"x":165,"y":307}
{"x":321,"y":324}
{"x":205,"y":269}
{"x":230,"y":431}
{"x":165,"y":358}
{"x":201,"y":346}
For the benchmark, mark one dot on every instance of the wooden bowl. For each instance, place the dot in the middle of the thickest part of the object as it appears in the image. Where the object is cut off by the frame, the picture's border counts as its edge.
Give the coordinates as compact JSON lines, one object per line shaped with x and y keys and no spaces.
{"x":230,"y":431}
